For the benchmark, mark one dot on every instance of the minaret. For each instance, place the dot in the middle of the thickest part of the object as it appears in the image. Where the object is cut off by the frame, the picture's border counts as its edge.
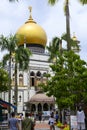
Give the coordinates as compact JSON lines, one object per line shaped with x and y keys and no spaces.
{"x":76,"y":48}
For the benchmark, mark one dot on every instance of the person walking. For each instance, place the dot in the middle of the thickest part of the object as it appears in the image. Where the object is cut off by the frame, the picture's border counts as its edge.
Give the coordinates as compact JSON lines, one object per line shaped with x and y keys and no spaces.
{"x":13,"y":122}
{"x":40,"y":117}
{"x":56,"y":116}
{"x":51,"y":122}
{"x":27,"y":123}
{"x":80,"y":119}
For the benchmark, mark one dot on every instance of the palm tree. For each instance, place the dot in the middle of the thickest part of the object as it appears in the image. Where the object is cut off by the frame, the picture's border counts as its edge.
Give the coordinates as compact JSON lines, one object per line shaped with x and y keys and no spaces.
{"x":54,"y":47}
{"x":21,"y":58}
{"x":66,"y":10}
{"x":8,"y":43}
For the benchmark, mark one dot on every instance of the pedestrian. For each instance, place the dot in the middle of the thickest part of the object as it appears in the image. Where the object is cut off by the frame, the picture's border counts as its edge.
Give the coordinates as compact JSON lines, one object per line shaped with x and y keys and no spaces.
{"x":40,"y":117}
{"x":80,"y":119}
{"x":13,"y":122}
{"x":27,"y":123}
{"x":51,"y":122}
{"x":21,"y":116}
{"x":56,"y":116}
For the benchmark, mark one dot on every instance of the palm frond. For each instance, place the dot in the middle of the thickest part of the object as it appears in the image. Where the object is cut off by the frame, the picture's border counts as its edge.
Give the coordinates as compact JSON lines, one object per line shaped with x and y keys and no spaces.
{"x":52,"y":2}
{"x":83,"y":1}
{"x":22,"y":56}
{"x":5,"y":59}
{"x":8,"y":43}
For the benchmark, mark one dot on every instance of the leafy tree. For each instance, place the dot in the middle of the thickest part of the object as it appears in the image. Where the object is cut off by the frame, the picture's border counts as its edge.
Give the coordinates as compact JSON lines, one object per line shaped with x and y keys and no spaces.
{"x":19,"y":55}
{"x":68,"y":85}
{"x":8,"y":43}
{"x":4,"y":80}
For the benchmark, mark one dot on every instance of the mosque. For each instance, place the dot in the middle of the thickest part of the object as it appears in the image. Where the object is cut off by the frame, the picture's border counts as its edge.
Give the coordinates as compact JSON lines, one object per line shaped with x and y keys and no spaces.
{"x":30,"y":96}
{"x":33,"y":37}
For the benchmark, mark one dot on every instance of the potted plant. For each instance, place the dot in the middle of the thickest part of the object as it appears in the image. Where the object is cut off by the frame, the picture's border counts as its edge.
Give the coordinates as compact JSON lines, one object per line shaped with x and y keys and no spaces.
{"x":60,"y":125}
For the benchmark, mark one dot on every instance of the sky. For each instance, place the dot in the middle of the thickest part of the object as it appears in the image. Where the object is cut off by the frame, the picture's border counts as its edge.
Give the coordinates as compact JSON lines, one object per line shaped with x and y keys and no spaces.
{"x":51,"y":18}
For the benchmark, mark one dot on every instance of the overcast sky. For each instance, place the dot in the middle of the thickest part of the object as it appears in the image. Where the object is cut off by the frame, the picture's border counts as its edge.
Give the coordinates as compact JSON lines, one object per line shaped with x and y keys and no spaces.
{"x":51,"y":18}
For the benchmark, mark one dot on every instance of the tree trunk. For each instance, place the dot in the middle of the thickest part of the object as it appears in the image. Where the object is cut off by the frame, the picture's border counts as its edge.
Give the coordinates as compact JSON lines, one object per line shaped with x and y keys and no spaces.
{"x":68,"y":25}
{"x":9,"y":93}
{"x":16,"y":88}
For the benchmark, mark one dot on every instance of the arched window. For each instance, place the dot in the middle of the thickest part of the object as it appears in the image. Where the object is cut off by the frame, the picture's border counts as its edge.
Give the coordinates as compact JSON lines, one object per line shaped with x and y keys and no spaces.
{"x":45,"y":107}
{"x":32,"y":78}
{"x":44,"y":78}
{"x":38,"y":78}
{"x":39,"y":108}
{"x":38,"y":74}
{"x":33,"y":108}
{"x":32,"y":74}
{"x":44,"y":75}
{"x":21,"y":80}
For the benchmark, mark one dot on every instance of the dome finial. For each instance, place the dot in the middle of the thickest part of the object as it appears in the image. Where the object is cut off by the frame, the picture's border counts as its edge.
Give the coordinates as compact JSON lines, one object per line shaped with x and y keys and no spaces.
{"x":30,"y":9}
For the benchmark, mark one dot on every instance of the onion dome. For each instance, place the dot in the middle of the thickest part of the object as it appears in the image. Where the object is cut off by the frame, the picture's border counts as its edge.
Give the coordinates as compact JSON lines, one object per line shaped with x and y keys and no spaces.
{"x":74,"y":38}
{"x":31,"y":33}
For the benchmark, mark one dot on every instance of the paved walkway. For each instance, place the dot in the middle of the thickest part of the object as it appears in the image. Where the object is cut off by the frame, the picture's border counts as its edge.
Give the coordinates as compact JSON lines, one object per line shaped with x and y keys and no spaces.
{"x":43,"y":125}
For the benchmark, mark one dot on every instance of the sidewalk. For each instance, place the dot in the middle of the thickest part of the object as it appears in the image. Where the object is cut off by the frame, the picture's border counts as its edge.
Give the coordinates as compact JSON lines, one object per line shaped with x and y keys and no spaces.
{"x":43,"y":125}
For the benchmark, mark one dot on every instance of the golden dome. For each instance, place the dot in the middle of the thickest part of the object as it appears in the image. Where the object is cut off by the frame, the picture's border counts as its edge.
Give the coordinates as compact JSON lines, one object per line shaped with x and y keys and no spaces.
{"x":74,"y":38}
{"x":31,"y":33}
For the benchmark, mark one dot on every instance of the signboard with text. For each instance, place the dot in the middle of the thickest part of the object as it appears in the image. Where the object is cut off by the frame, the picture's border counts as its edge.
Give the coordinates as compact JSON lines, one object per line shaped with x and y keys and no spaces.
{"x":73,"y":121}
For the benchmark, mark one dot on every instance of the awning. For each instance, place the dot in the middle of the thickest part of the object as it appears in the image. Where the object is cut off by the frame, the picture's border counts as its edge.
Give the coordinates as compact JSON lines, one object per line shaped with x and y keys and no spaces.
{"x":6,"y":104}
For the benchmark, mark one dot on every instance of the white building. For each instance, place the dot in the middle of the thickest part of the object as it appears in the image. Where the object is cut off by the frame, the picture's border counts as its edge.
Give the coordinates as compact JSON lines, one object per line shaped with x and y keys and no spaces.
{"x":33,"y":37}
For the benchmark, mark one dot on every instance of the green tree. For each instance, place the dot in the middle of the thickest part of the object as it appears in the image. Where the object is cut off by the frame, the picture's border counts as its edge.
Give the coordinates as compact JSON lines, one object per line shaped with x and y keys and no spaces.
{"x":68,"y":70}
{"x":19,"y":55}
{"x":68,"y":85}
{"x":4,"y":80}
{"x":8,"y":43}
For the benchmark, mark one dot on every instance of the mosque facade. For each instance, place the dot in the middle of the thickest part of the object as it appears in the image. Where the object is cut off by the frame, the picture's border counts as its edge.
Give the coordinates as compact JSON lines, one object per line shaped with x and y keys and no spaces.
{"x":34,"y":37}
